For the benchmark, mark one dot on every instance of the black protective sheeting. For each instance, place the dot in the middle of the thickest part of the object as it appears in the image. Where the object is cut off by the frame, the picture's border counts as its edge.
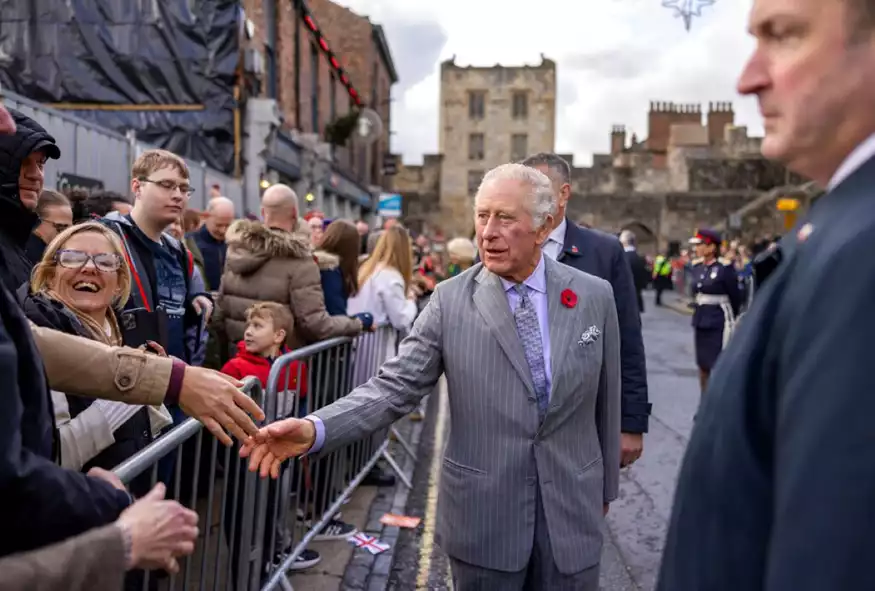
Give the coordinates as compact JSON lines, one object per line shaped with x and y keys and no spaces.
{"x":131,"y":52}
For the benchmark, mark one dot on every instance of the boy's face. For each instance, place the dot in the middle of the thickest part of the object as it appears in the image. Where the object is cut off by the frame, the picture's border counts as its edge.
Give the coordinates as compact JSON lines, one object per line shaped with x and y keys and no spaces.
{"x":261,"y":338}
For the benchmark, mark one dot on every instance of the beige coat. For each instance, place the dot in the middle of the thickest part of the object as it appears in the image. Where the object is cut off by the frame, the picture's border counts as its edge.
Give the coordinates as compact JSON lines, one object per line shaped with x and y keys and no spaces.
{"x":76,"y":365}
{"x":266,"y":265}
{"x":93,"y":561}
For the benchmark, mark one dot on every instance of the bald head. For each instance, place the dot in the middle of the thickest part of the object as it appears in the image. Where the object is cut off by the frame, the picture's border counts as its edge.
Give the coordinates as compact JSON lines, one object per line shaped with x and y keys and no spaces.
{"x":220,"y":214}
{"x":279,"y":208}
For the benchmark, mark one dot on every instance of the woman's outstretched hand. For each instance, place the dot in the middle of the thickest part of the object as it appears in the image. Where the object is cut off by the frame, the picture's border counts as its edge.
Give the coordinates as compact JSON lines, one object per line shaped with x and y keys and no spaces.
{"x":274,"y":444}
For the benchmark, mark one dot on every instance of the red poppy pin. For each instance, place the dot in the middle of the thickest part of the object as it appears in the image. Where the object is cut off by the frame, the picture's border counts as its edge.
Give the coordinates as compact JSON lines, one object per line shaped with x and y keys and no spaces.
{"x":573,"y":249}
{"x":569,"y":298}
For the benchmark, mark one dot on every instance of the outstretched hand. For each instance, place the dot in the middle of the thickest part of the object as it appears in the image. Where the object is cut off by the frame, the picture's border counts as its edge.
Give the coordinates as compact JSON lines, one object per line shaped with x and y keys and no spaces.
{"x":276,"y":443}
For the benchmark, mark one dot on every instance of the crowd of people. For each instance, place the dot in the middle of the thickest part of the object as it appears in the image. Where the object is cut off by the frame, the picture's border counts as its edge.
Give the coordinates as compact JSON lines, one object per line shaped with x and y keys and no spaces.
{"x":124,"y":315}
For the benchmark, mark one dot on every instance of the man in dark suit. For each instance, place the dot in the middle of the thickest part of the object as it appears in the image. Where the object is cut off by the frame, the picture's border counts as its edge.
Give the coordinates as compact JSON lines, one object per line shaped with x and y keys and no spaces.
{"x":640,"y":274}
{"x":602,"y":255}
{"x":776,"y":490}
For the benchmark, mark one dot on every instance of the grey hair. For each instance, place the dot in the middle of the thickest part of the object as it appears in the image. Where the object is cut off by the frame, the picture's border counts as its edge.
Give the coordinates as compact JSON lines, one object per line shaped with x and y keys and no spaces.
{"x":554,"y":163}
{"x":542,"y":201}
{"x":627,"y":237}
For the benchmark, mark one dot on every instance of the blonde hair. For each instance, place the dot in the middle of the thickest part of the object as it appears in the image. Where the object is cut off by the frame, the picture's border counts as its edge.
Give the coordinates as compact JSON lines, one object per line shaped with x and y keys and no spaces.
{"x":394,"y":250}
{"x":44,"y":273}
{"x":153,"y":160}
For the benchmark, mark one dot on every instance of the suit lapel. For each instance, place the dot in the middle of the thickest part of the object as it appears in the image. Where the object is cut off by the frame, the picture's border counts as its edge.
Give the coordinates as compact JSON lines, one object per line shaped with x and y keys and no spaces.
{"x":561,"y":320}
{"x":572,"y":246}
{"x":491,"y":302}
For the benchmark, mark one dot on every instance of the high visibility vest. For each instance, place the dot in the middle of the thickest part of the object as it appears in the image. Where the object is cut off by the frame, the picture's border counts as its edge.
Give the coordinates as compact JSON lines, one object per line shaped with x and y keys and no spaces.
{"x":661,"y":267}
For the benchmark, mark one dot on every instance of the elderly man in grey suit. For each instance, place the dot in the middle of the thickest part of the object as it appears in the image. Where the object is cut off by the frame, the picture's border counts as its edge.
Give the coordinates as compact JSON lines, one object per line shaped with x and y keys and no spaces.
{"x":530,"y":350}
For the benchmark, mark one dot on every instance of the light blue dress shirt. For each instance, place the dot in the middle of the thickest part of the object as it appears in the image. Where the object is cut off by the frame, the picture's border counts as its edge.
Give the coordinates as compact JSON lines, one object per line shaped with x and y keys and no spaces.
{"x":536,"y":284}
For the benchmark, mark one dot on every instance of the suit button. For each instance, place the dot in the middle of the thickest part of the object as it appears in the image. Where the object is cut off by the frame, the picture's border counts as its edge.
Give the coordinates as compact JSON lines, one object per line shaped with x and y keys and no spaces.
{"x":124,"y":381}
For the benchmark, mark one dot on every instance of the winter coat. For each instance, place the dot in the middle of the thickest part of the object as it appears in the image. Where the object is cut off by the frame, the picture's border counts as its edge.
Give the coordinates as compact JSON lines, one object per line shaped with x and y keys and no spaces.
{"x":134,"y":434}
{"x":17,"y":222}
{"x":269,"y":265}
{"x":40,"y":502}
{"x":249,"y":364}
{"x":332,"y":283}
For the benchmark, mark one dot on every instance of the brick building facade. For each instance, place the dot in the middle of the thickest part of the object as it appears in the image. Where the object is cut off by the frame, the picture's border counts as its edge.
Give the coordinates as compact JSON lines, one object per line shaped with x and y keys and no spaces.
{"x":321,"y":61}
{"x":364,"y":54}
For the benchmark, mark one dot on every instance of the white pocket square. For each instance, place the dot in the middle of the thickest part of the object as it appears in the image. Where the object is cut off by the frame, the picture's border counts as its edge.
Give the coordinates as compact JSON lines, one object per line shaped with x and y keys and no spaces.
{"x":589,"y":336}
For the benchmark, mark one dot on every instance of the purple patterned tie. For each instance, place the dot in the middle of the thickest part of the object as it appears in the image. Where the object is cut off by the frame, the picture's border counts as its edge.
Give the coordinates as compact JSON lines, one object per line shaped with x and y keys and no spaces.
{"x":529,"y":331}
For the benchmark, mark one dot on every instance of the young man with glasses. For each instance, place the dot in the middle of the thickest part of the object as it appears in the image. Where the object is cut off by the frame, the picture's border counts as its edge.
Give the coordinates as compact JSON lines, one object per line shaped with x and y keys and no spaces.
{"x":55,"y":215}
{"x":163,"y":305}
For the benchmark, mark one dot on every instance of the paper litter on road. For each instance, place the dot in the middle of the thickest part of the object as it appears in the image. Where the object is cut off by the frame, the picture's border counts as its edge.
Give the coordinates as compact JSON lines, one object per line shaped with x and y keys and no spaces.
{"x":396,"y":520}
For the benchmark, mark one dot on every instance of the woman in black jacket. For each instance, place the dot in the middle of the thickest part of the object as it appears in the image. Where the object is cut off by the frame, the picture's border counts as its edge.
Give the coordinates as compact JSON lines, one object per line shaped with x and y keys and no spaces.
{"x":73,"y":290}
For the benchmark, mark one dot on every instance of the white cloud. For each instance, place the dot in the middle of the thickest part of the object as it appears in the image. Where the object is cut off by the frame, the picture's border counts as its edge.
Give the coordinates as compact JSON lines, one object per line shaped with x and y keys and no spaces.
{"x":613,"y":58}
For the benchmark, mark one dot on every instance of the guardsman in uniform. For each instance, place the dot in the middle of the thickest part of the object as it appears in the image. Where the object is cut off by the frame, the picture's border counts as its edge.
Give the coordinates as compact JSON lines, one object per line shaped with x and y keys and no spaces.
{"x":717,"y":301}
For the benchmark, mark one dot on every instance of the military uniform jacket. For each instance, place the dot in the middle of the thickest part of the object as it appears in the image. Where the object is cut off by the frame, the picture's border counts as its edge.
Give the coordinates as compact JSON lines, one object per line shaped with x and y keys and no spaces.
{"x":719,"y":279}
{"x":778,"y":485}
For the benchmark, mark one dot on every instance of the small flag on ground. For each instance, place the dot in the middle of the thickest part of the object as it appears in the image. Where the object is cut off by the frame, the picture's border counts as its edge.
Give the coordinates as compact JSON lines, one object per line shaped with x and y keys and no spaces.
{"x":369,"y":543}
{"x":396,"y":520}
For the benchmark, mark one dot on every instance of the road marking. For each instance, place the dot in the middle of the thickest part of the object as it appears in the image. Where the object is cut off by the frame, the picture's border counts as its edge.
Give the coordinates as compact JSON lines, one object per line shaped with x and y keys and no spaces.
{"x":426,"y":543}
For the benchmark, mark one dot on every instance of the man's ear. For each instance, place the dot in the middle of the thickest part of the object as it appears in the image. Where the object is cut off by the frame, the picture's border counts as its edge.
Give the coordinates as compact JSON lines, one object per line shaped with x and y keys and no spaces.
{"x":544,"y":230}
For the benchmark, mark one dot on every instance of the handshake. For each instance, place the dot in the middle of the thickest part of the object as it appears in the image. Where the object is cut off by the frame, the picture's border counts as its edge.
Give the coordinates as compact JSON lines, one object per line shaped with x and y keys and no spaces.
{"x":276,"y":443}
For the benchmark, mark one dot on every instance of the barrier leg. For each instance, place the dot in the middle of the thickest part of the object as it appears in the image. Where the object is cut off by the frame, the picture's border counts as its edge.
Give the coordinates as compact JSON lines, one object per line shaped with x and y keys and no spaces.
{"x":396,"y":468}
{"x":404,"y":445}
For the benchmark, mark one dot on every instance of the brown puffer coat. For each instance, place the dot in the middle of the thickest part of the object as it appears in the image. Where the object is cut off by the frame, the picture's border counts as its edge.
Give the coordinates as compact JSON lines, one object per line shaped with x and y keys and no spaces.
{"x":267,"y":265}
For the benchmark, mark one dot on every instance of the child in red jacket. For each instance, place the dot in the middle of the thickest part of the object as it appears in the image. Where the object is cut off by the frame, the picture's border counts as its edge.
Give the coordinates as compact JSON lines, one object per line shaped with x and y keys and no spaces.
{"x":267,"y":324}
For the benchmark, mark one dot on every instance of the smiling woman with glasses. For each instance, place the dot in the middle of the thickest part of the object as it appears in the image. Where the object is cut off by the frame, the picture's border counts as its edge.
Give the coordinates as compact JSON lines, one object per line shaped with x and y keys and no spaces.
{"x":76,"y":288}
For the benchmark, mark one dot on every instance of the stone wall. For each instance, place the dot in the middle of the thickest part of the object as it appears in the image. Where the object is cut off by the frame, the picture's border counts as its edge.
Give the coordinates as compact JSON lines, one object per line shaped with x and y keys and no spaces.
{"x":656,"y":218}
{"x":460,"y":171}
{"x":419,"y":187}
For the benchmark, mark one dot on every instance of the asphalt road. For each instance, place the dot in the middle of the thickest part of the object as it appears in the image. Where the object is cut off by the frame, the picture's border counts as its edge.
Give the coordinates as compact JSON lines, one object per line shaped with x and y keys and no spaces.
{"x":637,"y":520}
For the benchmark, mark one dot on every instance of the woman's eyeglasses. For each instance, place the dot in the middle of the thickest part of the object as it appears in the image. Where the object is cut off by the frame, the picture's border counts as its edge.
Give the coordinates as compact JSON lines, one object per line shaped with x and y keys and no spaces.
{"x":105,"y":262}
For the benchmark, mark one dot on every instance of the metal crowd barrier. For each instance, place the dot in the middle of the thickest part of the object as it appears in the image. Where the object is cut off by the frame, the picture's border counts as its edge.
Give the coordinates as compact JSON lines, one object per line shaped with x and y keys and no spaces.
{"x":253,"y":530}
{"x":310,"y":493}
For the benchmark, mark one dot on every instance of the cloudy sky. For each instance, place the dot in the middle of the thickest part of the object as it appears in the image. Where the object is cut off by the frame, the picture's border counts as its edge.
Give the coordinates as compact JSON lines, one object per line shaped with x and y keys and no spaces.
{"x":613,"y":58}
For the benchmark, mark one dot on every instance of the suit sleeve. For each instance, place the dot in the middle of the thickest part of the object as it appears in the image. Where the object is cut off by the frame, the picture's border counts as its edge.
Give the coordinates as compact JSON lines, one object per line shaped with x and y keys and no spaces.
{"x":42,"y":503}
{"x":608,"y":404}
{"x":396,"y":390}
{"x":824,"y":463}
{"x":636,"y":408}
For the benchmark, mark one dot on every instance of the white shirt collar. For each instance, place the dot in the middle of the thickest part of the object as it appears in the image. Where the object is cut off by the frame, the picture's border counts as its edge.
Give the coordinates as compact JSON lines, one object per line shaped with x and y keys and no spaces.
{"x":629,"y":248}
{"x":861,"y":154}
{"x":558,"y":234}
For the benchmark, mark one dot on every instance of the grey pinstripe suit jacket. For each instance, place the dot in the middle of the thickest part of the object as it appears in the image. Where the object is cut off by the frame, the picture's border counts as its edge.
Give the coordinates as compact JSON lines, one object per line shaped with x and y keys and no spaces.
{"x":497,"y":450}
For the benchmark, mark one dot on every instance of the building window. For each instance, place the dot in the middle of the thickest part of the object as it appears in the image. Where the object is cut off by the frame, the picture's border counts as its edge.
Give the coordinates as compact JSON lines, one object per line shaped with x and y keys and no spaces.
{"x":474,"y":178}
{"x":520,"y":105}
{"x":314,"y":89}
{"x":519,"y":147}
{"x":476,"y":105}
{"x":476,"y":150}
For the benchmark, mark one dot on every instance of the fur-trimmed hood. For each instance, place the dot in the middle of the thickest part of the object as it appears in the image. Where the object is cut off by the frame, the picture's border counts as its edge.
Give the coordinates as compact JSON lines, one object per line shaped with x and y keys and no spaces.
{"x":251,"y":244}
{"x":326,"y":260}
